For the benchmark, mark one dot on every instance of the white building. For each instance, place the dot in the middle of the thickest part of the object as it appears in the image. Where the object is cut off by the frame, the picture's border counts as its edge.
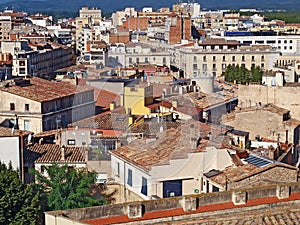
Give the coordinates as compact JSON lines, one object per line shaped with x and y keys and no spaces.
{"x":287,"y":44}
{"x":171,"y":164}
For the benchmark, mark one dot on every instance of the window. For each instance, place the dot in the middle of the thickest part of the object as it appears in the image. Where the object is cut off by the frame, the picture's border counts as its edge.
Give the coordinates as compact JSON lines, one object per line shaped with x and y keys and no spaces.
{"x":291,"y":47}
{"x":243,"y":58}
{"x":26,"y":107}
{"x":26,"y":125}
{"x":146,"y":60}
{"x":291,"y":41}
{"x":144,"y":190}
{"x":195,"y":58}
{"x":262,"y":58}
{"x":137,"y":60}
{"x":279,"y":41}
{"x":204,"y":58}
{"x":285,"y":41}
{"x":71,"y":142}
{"x":130,"y":60}
{"x":224,"y":58}
{"x":194,"y":66}
{"x":214,"y":67}
{"x":43,"y":168}
{"x":253,"y":58}
{"x":233,"y":58}
{"x":204,"y":67}
{"x":214,"y":58}
{"x":164,"y":60}
{"x":262,"y":65}
{"x":12,"y":106}
{"x":129,"y":178}
{"x":118,"y":169}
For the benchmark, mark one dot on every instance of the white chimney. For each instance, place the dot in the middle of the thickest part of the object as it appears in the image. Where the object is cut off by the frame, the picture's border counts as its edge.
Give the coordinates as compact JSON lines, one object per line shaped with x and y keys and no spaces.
{"x":63,"y":153}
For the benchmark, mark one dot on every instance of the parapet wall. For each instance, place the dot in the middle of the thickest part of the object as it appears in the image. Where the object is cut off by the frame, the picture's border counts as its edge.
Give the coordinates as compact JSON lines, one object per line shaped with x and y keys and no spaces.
{"x":187,"y":204}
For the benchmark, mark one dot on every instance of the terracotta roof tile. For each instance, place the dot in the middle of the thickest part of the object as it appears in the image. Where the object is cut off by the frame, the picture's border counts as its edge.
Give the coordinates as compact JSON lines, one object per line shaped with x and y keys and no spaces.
{"x":115,"y":120}
{"x":7,"y":132}
{"x":52,"y":153}
{"x":42,"y":90}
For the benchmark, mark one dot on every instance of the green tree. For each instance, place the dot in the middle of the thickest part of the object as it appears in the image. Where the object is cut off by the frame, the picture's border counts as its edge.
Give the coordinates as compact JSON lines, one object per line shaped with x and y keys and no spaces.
{"x":256,"y":74}
{"x":19,"y":203}
{"x":242,"y":75}
{"x":66,"y":188}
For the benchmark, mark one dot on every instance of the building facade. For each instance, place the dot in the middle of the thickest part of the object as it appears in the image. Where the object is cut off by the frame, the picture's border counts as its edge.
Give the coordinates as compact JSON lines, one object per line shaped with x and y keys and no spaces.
{"x":36,"y":105}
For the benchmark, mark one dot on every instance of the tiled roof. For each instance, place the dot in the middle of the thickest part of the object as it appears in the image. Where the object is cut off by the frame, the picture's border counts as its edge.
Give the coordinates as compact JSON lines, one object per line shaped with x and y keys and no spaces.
{"x":234,"y":174}
{"x":7,"y":132}
{"x":218,"y":41}
{"x":153,"y":127}
{"x":103,"y":98}
{"x":115,"y":120}
{"x":52,"y":153}
{"x":167,"y":145}
{"x":46,"y":133}
{"x":42,"y":90}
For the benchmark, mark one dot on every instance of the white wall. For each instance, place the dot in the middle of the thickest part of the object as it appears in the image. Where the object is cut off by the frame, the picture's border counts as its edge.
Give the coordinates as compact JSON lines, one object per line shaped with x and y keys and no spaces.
{"x":9,"y":151}
{"x":137,"y":175}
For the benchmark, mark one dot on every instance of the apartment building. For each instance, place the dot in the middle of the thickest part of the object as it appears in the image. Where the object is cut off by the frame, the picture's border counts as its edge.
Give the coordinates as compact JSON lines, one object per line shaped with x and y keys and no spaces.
{"x":287,"y":44}
{"x":5,"y":27}
{"x":37,"y":59}
{"x":214,"y":55}
{"x":17,"y":18}
{"x":87,"y":18}
{"x":138,"y":53}
{"x":41,"y":20}
{"x":39,"y":105}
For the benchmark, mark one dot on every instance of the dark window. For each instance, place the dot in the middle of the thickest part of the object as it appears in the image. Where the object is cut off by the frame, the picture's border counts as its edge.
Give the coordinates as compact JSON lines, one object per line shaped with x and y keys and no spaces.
{"x":129,"y":178}
{"x":215,"y":189}
{"x":118,"y":169}
{"x":26,"y":107}
{"x":12,"y":106}
{"x":144,"y":190}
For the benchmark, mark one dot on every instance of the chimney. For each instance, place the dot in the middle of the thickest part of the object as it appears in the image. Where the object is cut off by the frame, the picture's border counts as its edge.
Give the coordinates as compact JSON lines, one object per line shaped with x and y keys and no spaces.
{"x":111,"y":106}
{"x":63,"y":153}
{"x":174,"y":104}
{"x":86,"y":155}
{"x":193,"y":138}
{"x":163,"y":94}
{"x":130,"y":120}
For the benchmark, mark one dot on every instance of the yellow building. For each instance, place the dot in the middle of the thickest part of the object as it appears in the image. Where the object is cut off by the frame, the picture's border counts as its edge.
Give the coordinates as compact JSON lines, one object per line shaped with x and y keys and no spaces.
{"x":136,"y":98}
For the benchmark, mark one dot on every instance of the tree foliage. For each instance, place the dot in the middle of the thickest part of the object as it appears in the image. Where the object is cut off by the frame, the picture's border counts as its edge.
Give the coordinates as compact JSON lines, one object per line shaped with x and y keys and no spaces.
{"x":242,"y":74}
{"x":19,"y":203}
{"x":66,"y":188}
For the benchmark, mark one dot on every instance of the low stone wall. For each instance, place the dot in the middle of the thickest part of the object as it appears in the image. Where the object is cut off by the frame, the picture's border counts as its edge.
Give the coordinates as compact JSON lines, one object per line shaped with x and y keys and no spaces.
{"x":187,"y":203}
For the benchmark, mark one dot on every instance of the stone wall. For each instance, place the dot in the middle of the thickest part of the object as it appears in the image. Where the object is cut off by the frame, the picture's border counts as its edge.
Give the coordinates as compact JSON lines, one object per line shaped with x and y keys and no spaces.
{"x":285,"y":97}
{"x":188,"y":204}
